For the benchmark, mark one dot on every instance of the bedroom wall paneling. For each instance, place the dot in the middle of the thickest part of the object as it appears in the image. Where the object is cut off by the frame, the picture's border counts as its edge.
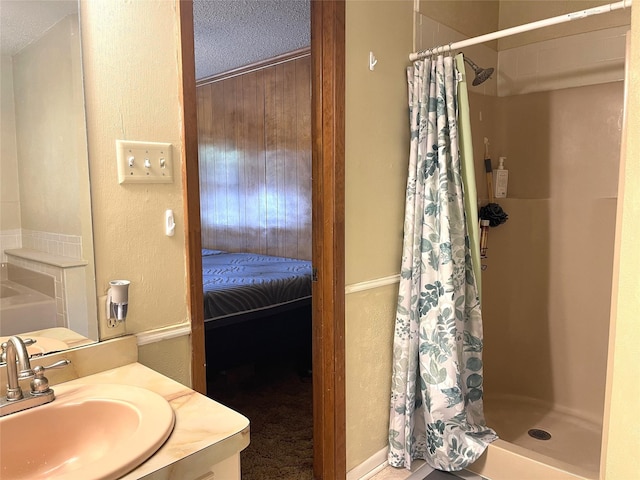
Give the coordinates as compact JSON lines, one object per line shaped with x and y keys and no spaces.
{"x":254,"y":130}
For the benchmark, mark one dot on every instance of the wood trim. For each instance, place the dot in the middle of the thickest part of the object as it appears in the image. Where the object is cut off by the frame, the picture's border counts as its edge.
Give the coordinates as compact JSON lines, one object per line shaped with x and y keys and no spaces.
{"x":328,"y":101}
{"x":191,"y":188}
{"x":270,"y":62}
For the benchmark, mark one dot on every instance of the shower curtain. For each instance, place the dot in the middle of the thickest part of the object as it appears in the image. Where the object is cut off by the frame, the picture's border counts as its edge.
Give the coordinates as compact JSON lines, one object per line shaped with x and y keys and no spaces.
{"x":436,"y":400}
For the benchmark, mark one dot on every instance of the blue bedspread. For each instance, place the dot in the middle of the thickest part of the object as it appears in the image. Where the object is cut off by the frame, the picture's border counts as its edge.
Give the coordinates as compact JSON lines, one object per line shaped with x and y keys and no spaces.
{"x":242,"y":283}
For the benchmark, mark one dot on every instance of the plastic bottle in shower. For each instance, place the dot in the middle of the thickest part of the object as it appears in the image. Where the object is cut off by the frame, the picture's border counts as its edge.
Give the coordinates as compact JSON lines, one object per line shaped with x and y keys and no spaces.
{"x":501,"y":179}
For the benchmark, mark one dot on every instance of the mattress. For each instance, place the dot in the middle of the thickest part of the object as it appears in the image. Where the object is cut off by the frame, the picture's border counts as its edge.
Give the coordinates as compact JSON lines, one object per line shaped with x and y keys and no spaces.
{"x":248,"y":285}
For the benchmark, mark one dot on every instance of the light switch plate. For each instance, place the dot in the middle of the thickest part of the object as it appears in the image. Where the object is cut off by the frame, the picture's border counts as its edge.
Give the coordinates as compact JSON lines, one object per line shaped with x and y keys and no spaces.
{"x":144,"y":162}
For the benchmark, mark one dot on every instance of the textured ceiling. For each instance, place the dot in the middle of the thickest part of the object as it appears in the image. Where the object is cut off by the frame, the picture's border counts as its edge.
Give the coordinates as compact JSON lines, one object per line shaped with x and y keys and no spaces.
{"x":23,"y":21}
{"x":234,"y":33}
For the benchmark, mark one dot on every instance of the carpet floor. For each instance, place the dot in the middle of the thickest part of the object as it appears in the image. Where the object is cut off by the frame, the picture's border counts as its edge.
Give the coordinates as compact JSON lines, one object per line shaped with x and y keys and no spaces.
{"x":278,"y":402}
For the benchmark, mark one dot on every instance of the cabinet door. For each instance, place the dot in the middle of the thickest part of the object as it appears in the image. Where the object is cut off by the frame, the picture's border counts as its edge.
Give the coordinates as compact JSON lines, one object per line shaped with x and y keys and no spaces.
{"x":228,"y":469}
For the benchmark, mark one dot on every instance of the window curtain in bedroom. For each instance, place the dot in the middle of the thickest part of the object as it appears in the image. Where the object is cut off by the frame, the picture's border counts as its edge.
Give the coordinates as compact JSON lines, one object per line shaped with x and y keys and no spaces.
{"x":436,"y":399}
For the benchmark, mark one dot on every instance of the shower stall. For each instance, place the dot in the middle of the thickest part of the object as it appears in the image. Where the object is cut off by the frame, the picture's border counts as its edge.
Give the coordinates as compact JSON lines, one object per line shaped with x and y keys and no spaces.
{"x":556,"y":114}
{"x":547,"y":282}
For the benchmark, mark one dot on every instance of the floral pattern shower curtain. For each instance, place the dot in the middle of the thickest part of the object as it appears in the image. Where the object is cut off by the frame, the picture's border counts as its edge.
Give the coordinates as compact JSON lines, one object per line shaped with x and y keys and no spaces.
{"x":436,"y":401}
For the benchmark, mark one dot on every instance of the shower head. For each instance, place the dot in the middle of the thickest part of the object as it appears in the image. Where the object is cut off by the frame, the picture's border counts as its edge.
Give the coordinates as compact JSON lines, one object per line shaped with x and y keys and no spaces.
{"x":482,"y":74}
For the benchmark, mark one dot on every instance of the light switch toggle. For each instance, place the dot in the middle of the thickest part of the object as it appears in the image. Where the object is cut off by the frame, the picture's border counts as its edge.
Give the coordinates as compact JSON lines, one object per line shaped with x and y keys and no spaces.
{"x":144,"y":162}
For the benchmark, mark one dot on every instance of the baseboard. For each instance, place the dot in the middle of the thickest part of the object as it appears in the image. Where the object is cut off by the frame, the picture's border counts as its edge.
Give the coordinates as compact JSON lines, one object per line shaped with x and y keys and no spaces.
{"x":371,"y":466}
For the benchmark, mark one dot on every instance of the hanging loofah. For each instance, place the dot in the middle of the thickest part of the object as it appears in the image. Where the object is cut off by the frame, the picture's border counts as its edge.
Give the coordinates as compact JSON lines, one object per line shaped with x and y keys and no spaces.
{"x":494,"y":213}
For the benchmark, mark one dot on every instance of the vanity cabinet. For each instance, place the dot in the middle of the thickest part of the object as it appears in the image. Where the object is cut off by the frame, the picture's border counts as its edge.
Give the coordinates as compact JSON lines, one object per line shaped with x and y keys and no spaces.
{"x":207,"y":437}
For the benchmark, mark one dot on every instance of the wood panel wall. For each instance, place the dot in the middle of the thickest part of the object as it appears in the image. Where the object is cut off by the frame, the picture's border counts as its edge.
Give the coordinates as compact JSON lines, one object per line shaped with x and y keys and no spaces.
{"x":254,"y":137}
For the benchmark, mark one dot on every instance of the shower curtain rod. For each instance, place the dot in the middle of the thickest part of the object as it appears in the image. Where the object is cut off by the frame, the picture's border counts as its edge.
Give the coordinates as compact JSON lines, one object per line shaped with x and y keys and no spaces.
{"x":567,"y":17}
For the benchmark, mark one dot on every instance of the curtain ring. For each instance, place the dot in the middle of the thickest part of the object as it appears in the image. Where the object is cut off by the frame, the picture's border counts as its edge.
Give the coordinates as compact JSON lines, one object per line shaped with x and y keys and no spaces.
{"x":450,"y":49}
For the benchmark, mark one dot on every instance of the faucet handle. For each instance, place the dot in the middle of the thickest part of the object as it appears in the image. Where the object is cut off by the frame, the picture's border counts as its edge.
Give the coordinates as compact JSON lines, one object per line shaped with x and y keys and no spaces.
{"x":40,"y":383}
{"x":59,"y":364}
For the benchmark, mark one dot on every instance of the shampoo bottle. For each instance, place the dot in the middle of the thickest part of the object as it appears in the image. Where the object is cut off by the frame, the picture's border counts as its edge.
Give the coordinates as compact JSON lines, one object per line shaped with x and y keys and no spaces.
{"x":501,"y":179}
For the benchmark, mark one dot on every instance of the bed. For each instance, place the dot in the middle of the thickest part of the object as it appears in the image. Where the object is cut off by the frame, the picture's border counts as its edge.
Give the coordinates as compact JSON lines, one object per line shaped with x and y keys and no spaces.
{"x":243,"y":286}
{"x":255,"y":305}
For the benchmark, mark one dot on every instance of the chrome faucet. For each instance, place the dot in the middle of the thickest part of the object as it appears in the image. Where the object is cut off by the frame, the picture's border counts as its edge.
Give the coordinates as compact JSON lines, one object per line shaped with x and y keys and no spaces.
{"x":19,"y":368}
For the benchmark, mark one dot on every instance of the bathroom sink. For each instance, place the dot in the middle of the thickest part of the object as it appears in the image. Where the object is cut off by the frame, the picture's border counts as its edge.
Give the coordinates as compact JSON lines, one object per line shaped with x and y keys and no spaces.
{"x":43,"y":345}
{"x":88,"y":432}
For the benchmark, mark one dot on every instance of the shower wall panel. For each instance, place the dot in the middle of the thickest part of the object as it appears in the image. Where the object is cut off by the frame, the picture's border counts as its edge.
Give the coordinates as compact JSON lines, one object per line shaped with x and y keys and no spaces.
{"x":546,"y":291}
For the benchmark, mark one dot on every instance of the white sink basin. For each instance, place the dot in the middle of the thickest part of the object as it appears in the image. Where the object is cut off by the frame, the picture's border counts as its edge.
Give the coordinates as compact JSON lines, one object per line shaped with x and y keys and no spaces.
{"x":88,"y":432}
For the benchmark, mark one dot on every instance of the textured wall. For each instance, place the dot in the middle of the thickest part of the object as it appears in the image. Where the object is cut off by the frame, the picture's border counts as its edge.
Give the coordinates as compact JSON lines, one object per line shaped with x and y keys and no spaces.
{"x":621,"y":436}
{"x":9,"y":192}
{"x":369,"y":331}
{"x":131,"y":82}
{"x":50,"y":124}
{"x":377,"y":155}
{"x":376,"y":150}
{"x":167,"y":358}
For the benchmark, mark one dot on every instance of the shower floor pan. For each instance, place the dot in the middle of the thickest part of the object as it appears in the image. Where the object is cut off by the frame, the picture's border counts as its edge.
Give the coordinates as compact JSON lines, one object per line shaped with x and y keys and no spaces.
{"x":574,"y":446}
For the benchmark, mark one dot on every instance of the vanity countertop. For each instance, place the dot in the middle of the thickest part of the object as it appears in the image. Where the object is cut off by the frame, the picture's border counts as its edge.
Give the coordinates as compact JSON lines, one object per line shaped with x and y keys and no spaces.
{"x":205,"y":431}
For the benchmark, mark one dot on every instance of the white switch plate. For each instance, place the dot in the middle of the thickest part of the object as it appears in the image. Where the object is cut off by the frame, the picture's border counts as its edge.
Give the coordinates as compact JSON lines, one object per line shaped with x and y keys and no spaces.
{"x":144,"y":162}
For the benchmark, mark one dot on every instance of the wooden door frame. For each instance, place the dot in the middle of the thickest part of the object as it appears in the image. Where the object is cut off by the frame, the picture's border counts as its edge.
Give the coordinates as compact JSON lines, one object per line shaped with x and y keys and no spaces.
{"x":327,"y":120}
{"x":328,"y":101}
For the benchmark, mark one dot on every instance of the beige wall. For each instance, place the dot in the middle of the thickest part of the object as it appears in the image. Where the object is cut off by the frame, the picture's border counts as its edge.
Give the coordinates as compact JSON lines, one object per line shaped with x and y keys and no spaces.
{"x":167,"y":357}
{"x":9,"y":191}
{"x":51,"y":143}
{"x":131,"y":80}
{"x":469,"y":17}
{"x":376,"y":152}
{"x":621,"y":435}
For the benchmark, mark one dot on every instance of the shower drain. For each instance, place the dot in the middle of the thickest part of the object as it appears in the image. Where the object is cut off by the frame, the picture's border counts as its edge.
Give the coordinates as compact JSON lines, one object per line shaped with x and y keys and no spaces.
{"x":539,"y":434}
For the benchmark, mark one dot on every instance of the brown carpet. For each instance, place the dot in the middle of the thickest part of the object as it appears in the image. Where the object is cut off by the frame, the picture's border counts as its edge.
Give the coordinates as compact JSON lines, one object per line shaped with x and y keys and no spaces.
{"x":278,"y":402}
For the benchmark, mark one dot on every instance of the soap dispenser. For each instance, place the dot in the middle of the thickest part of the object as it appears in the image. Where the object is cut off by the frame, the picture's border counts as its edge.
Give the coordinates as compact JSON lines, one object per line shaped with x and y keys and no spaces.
{"x":501,"y":179}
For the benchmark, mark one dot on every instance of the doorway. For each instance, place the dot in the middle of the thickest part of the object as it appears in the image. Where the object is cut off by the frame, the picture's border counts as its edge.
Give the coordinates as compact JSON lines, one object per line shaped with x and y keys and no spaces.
{"x":328,"y":89}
